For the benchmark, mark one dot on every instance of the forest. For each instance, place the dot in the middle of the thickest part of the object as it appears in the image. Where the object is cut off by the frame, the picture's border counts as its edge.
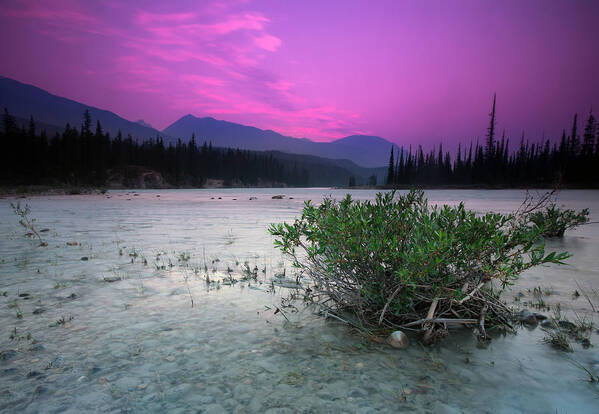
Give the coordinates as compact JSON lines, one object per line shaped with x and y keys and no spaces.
{"x":574,"y":162}
{"x":88,"y":157}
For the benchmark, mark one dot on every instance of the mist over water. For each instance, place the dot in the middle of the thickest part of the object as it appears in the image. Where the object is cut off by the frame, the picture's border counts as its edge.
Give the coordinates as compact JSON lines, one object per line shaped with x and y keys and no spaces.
{"x":136,"y":344}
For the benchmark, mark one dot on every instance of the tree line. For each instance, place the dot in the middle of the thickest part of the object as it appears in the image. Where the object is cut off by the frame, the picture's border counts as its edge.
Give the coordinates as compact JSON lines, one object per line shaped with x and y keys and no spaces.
{"x":574,"y":161}
{"x":87,"y":156}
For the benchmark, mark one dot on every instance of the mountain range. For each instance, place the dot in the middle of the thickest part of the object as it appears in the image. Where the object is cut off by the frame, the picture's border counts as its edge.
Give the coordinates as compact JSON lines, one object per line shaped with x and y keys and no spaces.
{"x":54,"y":112}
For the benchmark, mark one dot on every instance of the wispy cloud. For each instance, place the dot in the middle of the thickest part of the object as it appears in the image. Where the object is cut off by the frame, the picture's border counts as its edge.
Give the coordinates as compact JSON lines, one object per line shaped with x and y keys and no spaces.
{"x":206,"y":59}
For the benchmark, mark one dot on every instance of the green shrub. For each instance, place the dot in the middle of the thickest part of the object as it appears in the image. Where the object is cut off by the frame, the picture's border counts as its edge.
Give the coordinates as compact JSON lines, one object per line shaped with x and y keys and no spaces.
{"x":396,"y":262}
{"x":555,"y":221}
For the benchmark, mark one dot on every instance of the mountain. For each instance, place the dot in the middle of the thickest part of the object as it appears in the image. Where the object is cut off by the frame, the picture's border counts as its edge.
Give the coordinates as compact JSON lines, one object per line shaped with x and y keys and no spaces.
{"x":143,"y":123}
{"x":23,"y":101}
{"x":52,"y":113}
{"x":330,"y":172}
{"x":364,"y":150}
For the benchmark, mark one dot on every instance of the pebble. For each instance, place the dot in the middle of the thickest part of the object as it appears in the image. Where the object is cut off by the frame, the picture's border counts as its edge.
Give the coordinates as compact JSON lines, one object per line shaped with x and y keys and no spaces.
{"x":398,"y":339}
{"x":111,"y":279}
{"x":8,"y":354}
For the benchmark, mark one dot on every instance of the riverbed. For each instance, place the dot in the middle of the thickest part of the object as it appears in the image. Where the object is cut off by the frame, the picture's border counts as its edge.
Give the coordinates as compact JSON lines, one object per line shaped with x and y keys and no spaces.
{"x":156,"y":301}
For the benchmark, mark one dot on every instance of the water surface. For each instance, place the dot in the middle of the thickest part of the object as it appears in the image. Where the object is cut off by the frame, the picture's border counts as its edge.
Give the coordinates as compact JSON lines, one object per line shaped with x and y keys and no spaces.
{"x":138,"y":344}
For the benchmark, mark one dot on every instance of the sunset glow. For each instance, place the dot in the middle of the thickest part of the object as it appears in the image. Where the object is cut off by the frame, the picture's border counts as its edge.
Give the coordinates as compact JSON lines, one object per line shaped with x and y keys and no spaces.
{"x":410,"y":71}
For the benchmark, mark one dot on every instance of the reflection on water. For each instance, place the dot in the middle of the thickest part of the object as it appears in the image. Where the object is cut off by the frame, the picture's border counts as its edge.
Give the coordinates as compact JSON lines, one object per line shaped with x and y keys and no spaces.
{"x":118,"y":332}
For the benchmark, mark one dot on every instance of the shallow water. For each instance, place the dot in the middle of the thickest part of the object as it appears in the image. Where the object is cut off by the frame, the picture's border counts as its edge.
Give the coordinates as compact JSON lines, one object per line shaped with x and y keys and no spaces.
{"x":138,"y":344}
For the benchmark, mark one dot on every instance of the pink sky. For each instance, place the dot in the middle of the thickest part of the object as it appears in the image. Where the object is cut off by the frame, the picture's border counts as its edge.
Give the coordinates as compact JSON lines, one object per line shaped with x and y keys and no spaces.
{"x":410,"y":71}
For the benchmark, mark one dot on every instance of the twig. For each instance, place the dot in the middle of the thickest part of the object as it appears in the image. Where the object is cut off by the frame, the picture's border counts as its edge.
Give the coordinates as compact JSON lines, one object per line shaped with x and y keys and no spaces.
{"x":469,"y":296}
{"x":586,"y":296}
{"x":481,"y":323}
{"x":439,"y":320}
{"x":388,"y":303}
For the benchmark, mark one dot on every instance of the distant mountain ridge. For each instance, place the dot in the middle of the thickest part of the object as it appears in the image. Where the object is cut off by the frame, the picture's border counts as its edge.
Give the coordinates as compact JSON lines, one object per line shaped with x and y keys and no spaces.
{"x":364,"y":150}
{"x":23,"y":100}
{"x":54,"y":112}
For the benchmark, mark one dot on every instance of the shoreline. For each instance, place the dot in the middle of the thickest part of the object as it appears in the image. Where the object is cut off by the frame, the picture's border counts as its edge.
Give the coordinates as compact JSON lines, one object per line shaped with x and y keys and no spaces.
{"x":46,"y":190}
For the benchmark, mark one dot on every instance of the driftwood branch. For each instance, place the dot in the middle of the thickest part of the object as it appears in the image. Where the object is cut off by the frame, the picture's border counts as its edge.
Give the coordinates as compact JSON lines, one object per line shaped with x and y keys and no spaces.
{"x":388,"y":303}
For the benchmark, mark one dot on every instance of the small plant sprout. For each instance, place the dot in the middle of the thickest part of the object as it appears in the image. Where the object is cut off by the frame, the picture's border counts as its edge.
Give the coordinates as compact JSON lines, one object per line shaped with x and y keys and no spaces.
{"x":26,"y":221}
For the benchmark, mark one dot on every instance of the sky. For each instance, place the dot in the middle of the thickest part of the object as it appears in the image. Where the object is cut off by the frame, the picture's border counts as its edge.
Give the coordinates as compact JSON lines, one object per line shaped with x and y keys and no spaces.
{"x":409,"y":71}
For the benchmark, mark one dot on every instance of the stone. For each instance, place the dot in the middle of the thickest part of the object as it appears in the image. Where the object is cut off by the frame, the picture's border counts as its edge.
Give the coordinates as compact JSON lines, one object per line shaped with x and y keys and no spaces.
{"x":547,"y":324}
{"x":8,"y":354}
{"x":398,"y":339}
{"x":567,"y":325}
{"x":111,"y":279}
{"x":527,"y":317}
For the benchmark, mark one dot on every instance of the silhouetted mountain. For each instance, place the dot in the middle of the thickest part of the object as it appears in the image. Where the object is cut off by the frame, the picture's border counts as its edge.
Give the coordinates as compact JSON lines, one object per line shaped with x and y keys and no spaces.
{"x":24,"y":100}
{"x":364,"y":150}
{"x":52,"y":113}
{"x":143,"y":123}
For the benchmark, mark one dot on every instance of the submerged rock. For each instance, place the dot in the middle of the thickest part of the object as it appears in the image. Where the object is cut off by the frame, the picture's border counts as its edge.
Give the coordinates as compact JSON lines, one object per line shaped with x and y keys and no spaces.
{"x":398,"y":339}
{"x":112,"y":279}
{"x":8,"y":354}
{"x":547,"y":324}
{"x":567,"y":325}
{"x":527,"y":317}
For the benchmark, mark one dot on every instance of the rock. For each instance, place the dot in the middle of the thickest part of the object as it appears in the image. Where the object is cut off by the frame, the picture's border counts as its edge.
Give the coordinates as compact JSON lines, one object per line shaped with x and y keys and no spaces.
{"x":253,"y":198}
{"x":547,"y":324}
{"x":567,"y":325}
{"x":278,"y":197}
{"x":36,"y":348}
{"x":8,"y":354}
{"x":38,"y":311}
{"x":72,"y":243}
{"x":398,"y":339}
{"x":24,"y":295}
{"x":111,"y":279}
{"x":291,"y":198}
{"x":527,"y":317}
{"x":85,"y":258}
{"x":34,"y":374}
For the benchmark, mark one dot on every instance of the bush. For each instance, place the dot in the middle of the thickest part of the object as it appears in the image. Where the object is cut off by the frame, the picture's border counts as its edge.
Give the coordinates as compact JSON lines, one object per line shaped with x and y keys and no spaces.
{"x":555,"y":221}
{"x":396,"y":263}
